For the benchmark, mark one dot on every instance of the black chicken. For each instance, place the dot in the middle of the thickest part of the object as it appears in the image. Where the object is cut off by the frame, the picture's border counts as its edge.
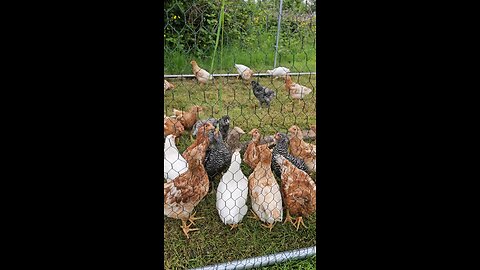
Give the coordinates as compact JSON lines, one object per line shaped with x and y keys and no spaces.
{"x":282,"y":148}
{"x":218,"y":157}
{"x":223,"y":126}
{"x":263,"y":94}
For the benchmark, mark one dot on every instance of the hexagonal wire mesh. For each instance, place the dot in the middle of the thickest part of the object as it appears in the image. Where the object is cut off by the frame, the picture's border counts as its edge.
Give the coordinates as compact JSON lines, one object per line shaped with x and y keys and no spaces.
{"x":240,"y":137}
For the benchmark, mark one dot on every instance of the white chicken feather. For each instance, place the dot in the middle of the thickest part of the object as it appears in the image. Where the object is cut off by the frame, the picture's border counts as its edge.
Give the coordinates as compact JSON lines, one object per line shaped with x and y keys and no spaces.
{"x":299,"y":91}
{"x":278,"y":72}
{"x":173,"y":163}
{"x":244,"y":71}
{"x":232,"y":193}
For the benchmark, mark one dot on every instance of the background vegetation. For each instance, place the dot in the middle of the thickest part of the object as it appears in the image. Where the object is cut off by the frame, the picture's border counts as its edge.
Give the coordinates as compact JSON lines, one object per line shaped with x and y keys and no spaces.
{"x":249,"y":35}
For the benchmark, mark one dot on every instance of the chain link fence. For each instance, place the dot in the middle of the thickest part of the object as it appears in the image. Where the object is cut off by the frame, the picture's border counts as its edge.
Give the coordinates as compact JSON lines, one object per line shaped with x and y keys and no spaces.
{"x":239,"y":133}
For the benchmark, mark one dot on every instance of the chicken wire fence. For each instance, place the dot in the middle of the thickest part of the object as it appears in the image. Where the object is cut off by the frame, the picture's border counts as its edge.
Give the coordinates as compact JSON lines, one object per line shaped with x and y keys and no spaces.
{"x":239,"y":133}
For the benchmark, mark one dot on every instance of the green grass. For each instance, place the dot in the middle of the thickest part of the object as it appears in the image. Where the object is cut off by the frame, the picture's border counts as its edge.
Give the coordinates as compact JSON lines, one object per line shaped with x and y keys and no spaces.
{"x":215,"y":242}
{"x":292,"y":53}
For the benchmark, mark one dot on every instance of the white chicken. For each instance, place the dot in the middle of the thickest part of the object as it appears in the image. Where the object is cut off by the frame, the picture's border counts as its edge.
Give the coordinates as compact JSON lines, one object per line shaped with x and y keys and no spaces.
{"x":167,"y":85}
{"x":278,"y":72}
{"x":244,"y":71}
{"x":296,"y":90}
{"x":232,"y":193}
{"x":173,"y":163}
{"x":201,"y":74}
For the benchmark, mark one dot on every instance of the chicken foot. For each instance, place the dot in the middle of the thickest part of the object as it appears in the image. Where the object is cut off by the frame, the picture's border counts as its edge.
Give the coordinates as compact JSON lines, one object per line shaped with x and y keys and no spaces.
{"x":298,"y":221}
{"x":186,"y":228}
{"x":269,"y":226}
{"x":192,"y":218}
{"x":233,"y":226}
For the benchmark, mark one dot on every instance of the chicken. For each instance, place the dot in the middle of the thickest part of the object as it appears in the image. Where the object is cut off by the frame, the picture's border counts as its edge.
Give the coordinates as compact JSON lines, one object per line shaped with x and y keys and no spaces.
{"x":173,"y":163}
{"x":301,"y":149}
{"x":263,"y":94}
{"x":264,"y":190}
{"x":278,"y":72}
{"x":232,"y":193}
{"x":298,"y":190}
{"x":195,"y":127}
{"x":218,"y":156}
{"x":296,"y":90}
{"x":183,"y":193}
{"x":223,"y":123}
{"x":202,"y":135}
{"x":172,"y":126}
{"x":281,"y":148}
{"x":233,"y":138}
{"x":167,"y":86}
{"x":252,"y":155}
{"x":297,"y":145}
{"x":244,"y":71}
{"x":224,"y":126}
{"x":188,"y":119}
{"x":201,"y":74}
{"x":311,"y":133}
{"x":267,"y":140}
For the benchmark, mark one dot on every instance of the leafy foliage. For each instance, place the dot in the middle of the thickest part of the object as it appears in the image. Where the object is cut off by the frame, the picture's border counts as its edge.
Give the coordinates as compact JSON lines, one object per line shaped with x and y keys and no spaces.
{"x":190,"y":26}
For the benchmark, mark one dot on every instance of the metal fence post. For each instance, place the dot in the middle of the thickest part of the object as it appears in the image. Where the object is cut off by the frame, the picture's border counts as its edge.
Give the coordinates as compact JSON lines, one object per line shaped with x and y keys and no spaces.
{"x":278,"y":33}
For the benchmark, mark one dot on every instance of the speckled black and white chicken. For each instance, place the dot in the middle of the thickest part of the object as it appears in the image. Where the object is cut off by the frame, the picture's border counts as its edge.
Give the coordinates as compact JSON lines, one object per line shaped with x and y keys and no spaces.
{"x":222,"y":123}
{"x":195,"y":127}
{"x":263,"y":94}
{"x":218,"y":157}
{"x":233,"y":139}
{"x":224,"y":126}
{"x":281,"y":148}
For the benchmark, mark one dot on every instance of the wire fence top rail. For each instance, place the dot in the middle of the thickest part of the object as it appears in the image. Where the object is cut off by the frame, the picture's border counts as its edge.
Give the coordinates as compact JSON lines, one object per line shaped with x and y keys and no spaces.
{"x":263,"y":260}
{"x":235,"y":75}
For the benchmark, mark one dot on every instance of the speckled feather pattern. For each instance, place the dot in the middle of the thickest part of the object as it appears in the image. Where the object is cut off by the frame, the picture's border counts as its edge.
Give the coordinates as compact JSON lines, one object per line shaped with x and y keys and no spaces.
{"x":281,"y":148}
{"x":218,"y":156}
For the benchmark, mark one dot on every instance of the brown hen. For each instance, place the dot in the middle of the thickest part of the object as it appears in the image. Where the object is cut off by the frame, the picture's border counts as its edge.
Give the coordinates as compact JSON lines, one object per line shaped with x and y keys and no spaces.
{"x":202,"y":136}
{"x":298,"y":190}
{"x":183,"y":193}
{"x":265,"y":194}
{"x":252,"y":155}
{"x":188,"y":118}
{"x":172,"y":126}
{"x":300,"y":149}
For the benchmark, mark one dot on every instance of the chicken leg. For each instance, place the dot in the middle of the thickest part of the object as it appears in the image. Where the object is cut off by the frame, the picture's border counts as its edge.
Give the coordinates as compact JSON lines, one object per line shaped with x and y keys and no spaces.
{"x":186,"y":229}
{"x":288,"y":218}
{"x":254,"y":215}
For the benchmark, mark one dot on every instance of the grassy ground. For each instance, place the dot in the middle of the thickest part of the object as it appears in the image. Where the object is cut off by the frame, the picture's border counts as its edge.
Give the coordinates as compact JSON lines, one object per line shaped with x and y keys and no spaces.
{"x":215,"y":242}
{"x":307,"y":264}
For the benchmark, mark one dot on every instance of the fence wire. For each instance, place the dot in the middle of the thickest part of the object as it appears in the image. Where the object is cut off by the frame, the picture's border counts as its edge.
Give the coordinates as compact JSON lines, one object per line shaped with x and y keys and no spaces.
{"x":239,"y":139}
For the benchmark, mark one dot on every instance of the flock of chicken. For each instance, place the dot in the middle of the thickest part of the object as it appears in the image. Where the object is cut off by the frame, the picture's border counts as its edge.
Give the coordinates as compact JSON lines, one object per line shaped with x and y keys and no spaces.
{"x":263,"y":94}
{"x":217,"y":150}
